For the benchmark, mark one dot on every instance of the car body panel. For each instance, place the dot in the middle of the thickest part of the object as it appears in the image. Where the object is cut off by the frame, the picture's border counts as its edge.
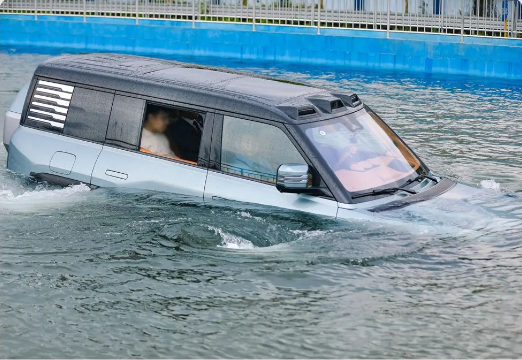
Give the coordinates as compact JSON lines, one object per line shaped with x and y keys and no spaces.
{"x":32,"y":151}
{"x":123,"y":168}
{"x":11,"y":123}
{"x":13,"y":116}
{"x":226,"y":187}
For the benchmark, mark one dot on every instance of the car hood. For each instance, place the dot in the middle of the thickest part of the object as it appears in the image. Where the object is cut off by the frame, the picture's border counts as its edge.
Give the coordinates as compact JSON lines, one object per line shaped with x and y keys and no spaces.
{"x":443,"y":187}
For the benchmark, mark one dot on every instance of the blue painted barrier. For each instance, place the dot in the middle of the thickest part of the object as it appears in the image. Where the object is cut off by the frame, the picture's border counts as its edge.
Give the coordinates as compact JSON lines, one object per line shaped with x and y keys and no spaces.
{"x":367,"y":49}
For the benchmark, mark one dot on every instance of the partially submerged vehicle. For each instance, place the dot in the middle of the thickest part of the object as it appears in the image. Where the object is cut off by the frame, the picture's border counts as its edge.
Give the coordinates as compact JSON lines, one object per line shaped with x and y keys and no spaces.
{"x":111,"y":120}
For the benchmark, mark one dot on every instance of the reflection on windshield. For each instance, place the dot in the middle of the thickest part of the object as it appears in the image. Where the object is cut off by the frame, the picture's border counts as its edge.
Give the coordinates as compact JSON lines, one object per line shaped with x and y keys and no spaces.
{"x":362,"y":151}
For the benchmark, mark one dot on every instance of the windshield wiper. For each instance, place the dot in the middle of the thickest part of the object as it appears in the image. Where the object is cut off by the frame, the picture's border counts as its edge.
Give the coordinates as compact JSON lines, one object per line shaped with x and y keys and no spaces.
{"x":383,"y":191}
{"x":395,"y":189}
{"x":419,"y":178}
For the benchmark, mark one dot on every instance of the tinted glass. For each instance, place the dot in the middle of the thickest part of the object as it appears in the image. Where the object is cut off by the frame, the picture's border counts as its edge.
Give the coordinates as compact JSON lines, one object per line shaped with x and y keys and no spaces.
{"x":255,"y":150}
{"x":125,"y":122}
{"x":88,"y":114}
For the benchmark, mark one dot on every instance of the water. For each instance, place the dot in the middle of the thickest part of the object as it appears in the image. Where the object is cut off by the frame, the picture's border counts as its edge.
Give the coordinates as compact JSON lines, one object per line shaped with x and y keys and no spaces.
{"x":110,"y":273}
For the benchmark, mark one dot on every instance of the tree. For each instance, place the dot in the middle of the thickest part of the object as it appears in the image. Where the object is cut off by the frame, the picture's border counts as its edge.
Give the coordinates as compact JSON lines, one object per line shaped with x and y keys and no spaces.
{"x":406,"y":6}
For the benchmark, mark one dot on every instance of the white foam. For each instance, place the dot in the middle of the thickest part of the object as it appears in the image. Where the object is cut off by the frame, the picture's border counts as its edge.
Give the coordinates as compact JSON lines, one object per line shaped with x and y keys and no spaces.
{"x":309,"y":233}
{"x":40,"y":197}
{"x":245,"y":214}
{"x":230,"y":241}
{"x":490,"y":184}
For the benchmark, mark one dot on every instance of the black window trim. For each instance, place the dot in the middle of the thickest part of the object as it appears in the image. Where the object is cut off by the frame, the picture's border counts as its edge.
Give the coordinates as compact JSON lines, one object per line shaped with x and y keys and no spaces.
{"x":135,"y":146}
{"x":203,"y":161}
{"x":165,"y":101}
{"x":208,"y":118}
{"x":29,"y":97}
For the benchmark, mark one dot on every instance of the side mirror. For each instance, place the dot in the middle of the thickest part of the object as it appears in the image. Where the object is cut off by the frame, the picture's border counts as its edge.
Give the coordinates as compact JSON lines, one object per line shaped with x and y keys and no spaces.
{"x":293,"y":178}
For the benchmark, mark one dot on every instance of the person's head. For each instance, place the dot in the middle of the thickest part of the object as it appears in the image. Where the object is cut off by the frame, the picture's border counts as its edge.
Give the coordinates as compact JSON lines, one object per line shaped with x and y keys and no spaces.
{"x":157,"y":120}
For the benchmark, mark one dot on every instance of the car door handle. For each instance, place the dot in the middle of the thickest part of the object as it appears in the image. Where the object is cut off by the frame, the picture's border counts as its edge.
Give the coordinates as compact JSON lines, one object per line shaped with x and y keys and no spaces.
{"x":116,"y":174}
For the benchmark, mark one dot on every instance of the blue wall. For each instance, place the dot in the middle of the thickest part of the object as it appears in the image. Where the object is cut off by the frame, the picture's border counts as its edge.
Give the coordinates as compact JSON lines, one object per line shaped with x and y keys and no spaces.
{"x":428,"y":53}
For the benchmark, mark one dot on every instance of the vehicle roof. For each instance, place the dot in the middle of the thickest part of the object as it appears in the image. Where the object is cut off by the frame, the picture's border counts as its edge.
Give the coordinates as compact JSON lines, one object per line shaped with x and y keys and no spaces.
{"x":219,"y":89}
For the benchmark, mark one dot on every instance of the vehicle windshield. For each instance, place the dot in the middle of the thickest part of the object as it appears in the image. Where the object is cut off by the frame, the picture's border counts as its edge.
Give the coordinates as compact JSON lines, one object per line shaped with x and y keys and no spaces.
{"x":363,"y":152}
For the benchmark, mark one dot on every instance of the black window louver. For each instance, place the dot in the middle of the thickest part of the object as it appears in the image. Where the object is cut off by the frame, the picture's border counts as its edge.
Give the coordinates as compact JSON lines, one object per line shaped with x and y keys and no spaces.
{"x":351,"y":100}
{"x":49,"y":105}
{"x":305,"y":111}
{"x":336,"y":104}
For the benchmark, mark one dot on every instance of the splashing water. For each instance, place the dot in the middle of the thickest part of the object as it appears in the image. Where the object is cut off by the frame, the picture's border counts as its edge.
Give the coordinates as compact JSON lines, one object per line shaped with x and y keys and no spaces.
{"x":41,"y":197}
{"x":490,"y":184}
{"x":232,"y":241}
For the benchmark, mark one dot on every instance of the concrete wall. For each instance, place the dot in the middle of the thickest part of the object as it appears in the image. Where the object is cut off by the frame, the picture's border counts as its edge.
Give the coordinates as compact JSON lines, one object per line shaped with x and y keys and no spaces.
{"x":428,"y":53}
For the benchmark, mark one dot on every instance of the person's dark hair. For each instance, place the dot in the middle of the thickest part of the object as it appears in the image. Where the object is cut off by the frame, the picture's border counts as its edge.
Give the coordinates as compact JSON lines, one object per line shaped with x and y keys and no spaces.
{"x":154,"y":110}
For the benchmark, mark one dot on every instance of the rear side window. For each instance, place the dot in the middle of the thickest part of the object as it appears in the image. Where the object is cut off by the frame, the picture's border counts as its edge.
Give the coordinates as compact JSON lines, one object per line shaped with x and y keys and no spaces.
{"x":125,"y":122}
{"x":71,"y":110}
{"x":49,"y":105}
{"x":88,"y":114}
{"x":255,"y":150}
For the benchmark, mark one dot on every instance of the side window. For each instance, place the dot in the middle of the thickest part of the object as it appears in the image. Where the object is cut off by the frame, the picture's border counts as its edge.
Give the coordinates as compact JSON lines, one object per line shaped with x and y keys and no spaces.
{"x":172,"y":133}
{"x":255,"y":150}
{"x":49,"y":105}
{"x":125,"y":123}
{"x":88,"y":114}
{"x":71,"y":110}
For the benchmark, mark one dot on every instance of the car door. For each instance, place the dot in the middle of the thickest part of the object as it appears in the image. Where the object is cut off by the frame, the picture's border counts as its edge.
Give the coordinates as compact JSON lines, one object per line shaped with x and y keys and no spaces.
{"x":244,"y":159}
{"x":123,"y":163}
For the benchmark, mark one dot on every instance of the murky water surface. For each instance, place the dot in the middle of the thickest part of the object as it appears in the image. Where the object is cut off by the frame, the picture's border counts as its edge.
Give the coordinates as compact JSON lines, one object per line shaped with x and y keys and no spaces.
{"x":107,"y":273}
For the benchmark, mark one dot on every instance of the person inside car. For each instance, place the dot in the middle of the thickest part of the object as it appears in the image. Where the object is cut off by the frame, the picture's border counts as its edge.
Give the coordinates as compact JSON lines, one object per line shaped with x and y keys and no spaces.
{"x":153,"y":138}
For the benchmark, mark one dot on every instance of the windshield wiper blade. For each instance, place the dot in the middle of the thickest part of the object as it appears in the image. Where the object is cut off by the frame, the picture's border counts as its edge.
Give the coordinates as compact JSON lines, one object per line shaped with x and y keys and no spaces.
{"x":382,"y":192}
{"x":431,"y":178}
{"x":419,"y":178}
{"x":395,"y":189}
